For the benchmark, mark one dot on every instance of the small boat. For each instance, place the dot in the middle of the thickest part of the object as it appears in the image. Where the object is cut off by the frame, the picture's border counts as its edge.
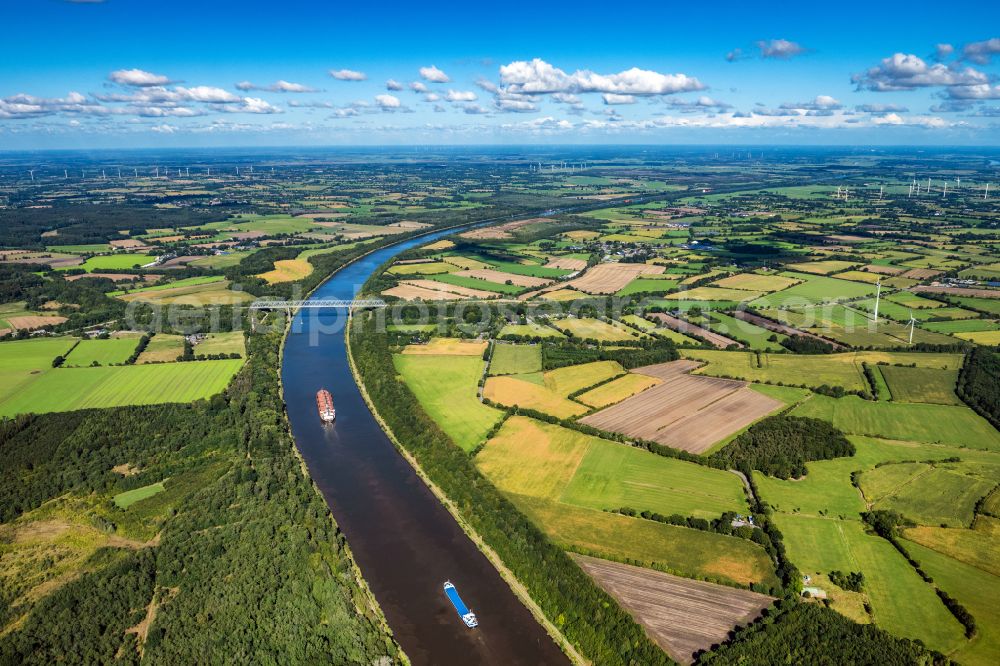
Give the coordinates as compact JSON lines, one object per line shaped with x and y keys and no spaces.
{"x":468,"y":617}
{"x":324,"y":403}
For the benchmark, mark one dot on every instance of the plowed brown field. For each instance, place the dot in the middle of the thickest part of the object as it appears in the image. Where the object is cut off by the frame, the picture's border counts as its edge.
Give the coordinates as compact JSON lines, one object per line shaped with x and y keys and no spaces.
{"x":683,"y":616}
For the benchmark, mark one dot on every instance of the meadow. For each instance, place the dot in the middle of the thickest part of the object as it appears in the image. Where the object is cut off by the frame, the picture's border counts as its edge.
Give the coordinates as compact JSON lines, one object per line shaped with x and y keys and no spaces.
{"x":529,"y":457}
{"x":943,"y":494}
{"x":515,"y":359}
{"x":921,"y":384}
{"x":233,"y":342}
{"x":678,"y":550}
{"x":935,"y":424}
{"x":595,"y":329}
{"x":814,"y":289}
{"x":129,"y":497}
{"x":162,"y":348}
{"x":445,"y":386}
{"x":901,"y":602}
{"x":67,"y":389}
{"x":102,"y":352}
{"x":113,"y":261}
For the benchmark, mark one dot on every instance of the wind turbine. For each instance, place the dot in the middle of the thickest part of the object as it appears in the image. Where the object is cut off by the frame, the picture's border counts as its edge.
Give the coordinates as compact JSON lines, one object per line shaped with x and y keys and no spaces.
{"x":157,"y":172}
{"x":878,"y":294}
{"x":136,"y":169}
{"x":66,"y":174}
{"x":987,"y":192}
{"x":32,"y":173}
{"x":913,"y":322}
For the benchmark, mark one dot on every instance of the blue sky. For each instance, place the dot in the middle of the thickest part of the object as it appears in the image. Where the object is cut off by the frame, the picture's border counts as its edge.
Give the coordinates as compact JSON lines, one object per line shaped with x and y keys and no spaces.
{"x":133,"y":73}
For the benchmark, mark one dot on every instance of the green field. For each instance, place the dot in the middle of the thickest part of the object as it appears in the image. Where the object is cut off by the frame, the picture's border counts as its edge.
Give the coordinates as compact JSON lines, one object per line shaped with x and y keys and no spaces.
{"x":129,"y":497}
{"x":962,"y":326}
{"x":975,"y":589}
{"x":754,"y":336}
{"x":530,"y":330}
{"x":843,"y":369}
{"x":527,"y":269}
{"x":184,"y":282}
{"x":162,"y":348}
{"x":901,"y":602}
{"x":115,"y":261}
{"x":921,"y":384}
{"x":935,"y":424}
{"x":647,"y":286}
{"x":446,"y":389}
{"x":940,"y":494}
{"x":222,"y":343}
{"x":24,"y":361}
{"x":515,"y":359}
{"x":102,"y":352}
{"x":678,"y":550}
{"x":67,"y":389}
{"x":529,"y":457}
{"x":814,"y":289}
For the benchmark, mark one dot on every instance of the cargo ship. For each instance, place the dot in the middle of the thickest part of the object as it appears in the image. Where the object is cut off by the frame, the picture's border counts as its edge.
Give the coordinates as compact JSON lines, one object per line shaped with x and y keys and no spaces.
{"x":468,"y":617}
{"x":324,"y":403}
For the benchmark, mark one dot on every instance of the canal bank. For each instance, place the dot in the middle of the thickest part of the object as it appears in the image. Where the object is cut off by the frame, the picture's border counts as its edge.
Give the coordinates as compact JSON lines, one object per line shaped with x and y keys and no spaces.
{"x":403,"y":538}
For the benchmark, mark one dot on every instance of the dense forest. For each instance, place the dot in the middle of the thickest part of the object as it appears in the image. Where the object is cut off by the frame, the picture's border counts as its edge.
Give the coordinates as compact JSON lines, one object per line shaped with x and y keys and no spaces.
{"x":805,"y":633}
{"x":587,"y":616}
{"x":979,"y":383}
{"x":782,"y":445}
{"x":83,"y":224}
{"x":239,"y":555}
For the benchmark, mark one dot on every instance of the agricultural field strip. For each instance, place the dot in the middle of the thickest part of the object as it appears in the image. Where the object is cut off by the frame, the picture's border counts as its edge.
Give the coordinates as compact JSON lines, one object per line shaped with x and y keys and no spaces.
{"x":684,"y":411}
{"x":681,"y":326}
{"x":683,"y":616}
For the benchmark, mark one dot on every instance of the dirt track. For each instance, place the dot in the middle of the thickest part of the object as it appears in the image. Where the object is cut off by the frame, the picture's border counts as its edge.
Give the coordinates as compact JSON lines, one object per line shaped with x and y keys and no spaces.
{"x":683,"y":616}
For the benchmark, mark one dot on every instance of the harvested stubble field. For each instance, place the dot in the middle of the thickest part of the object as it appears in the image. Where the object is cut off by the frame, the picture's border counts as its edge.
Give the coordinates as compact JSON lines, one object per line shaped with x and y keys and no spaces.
{"x":430,"y":290}
{"x":448,"y":347}
{"x":566,"y":263}
{"x":504,"y":230}
{"x":682,"y":615}
{"x":609,"y":278}
{"x":681,"y":326}
{"x":958,"y":291}
{"x":618,"y":390}
{"x":162,"y":348}
{"x":503,"y":278}
{"x":510,"y":392}
{"x":754,"y":282}
{"x":595,"y":329}
{"x":685,"y":412}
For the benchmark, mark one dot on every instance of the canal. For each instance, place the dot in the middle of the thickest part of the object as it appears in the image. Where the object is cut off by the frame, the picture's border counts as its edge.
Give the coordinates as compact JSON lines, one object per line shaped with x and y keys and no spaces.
{"x":404,"y":540}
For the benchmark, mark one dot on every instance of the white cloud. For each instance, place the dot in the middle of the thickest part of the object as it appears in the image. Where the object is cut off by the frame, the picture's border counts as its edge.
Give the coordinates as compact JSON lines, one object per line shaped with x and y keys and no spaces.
{"x":388,"y":102}
{"x":982,"y":52}
{"x":881,"y":108}
{"x":779,"y":48}
{"x":943,"y":51}
{"x":461,"y":96}
{"x":980,"y":91}
{"x":487,"y":85}
{"x":164,"y":128}
{"x":251,"y":105}
{"x":516,"y":106}
{"x":432,"y":97}
{"x":418,"y":87}
{"x":565,"y":98}
{"x":614,"y":98}
{"x":137,"y":77}
{"x":903,"y":71}
{"x":348,"y":75}
{"x":927,"y":122}
{"x":434,"y":75}
{"x":539,"y":77}
{"x":393,"y":85}
{"x":475,"y":109}
{"x":278,"y":86}
{"x":208,"y":94}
